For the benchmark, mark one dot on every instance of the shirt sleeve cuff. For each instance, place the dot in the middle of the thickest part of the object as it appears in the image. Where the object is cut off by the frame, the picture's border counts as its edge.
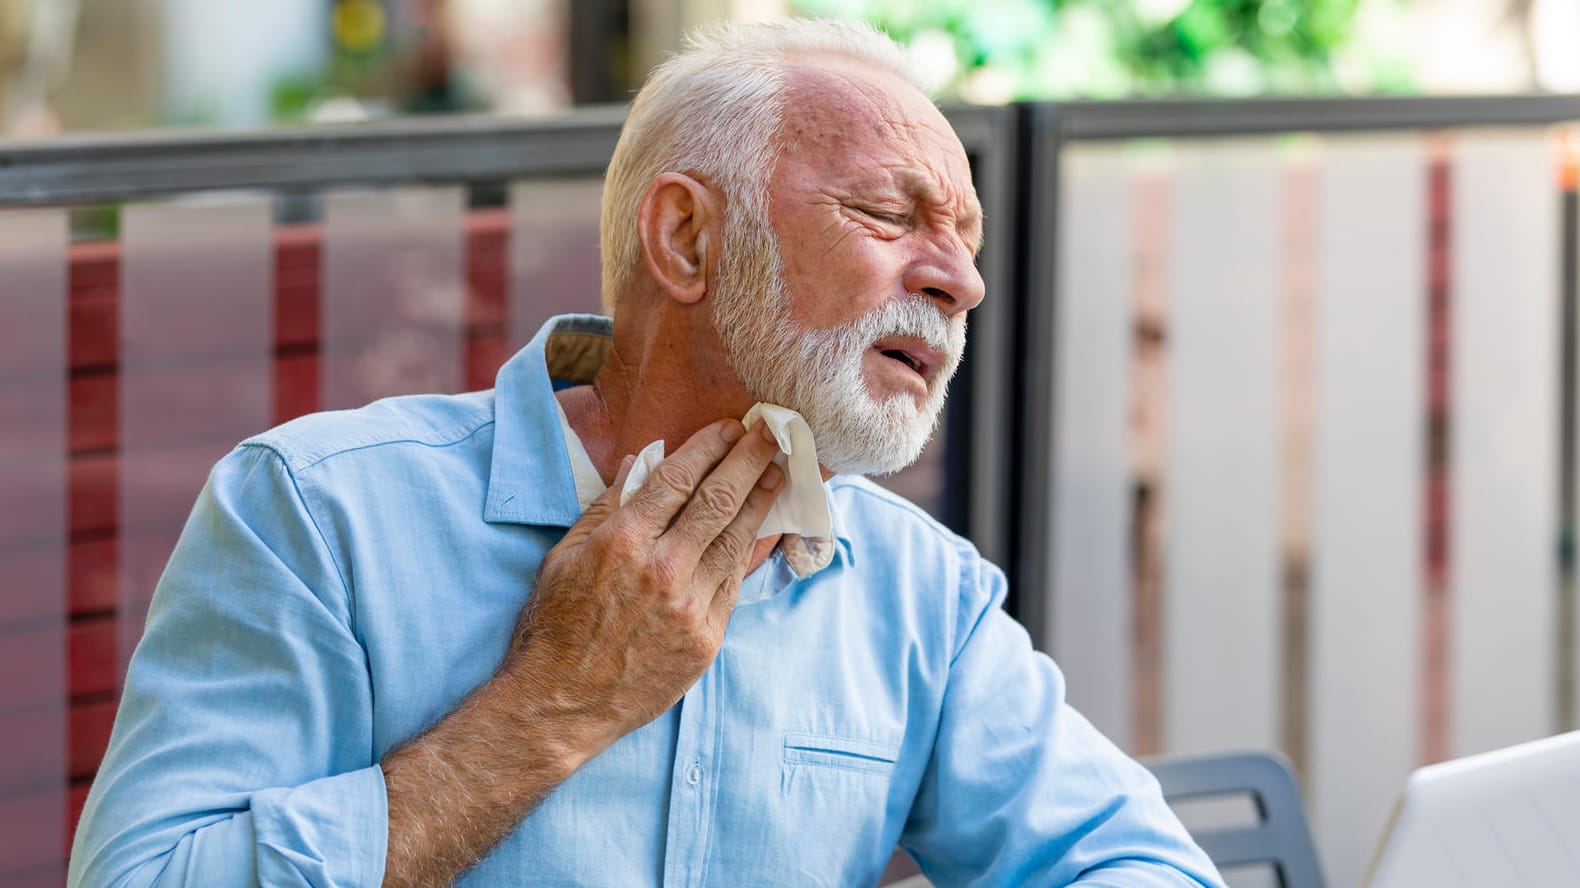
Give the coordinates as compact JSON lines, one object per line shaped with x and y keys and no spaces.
{"x":333,"y":831}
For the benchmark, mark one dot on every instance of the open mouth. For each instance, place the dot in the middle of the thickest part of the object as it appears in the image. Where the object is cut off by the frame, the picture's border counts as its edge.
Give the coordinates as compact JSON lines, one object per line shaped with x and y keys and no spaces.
{"x":903,"y":357}
{"x":913,"y":352}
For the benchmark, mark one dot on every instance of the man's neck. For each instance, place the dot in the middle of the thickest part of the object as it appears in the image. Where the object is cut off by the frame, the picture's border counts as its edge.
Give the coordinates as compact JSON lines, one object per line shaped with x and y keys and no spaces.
{"x":634,"y":401}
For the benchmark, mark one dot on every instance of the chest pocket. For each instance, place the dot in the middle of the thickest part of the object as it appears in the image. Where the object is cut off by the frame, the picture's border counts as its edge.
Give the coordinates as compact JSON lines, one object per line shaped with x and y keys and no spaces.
{"x":837,"y":752}
{"x":839,"y":789}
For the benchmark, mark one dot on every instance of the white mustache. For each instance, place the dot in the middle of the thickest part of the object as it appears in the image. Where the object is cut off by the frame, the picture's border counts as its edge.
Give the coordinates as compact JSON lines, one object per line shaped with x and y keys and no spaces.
{"x":916,"y":318}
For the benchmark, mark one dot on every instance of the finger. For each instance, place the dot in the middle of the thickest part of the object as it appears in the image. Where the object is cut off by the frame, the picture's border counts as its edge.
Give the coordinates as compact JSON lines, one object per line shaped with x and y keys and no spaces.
{"x":672,"y":482}
{"x":725,"y":561}
{"x":622,"y":473}
{"x":727,"y":554}
{"x":598,"y":510}
{"x":722,"y":495}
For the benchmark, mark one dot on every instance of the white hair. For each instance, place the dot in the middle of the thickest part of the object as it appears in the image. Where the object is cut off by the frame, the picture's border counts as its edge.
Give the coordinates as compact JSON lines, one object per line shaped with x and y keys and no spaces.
{"x":715,"y":111}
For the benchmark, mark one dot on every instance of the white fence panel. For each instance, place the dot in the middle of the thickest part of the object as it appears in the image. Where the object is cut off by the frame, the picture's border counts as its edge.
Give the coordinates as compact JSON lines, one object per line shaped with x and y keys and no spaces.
{"x":1503,"y":451}
{"x":1090,"y":615}
{"x":553,"y":252}
{"x":1222,"y":590}
{"x":393,"y":295}
{"x":197,"y":352}
{"x":1366,"y":576}
{"x":34,"y":696}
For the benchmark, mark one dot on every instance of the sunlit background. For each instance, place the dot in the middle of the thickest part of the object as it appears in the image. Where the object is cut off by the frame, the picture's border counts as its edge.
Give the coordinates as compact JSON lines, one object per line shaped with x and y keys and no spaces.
{"x":119,"y":64}
{"x":1270,"y":414}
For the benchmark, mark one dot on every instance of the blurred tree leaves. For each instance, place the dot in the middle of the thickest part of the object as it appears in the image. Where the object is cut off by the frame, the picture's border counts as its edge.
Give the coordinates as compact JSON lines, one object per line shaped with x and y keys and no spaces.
{"x":1003,"y":50}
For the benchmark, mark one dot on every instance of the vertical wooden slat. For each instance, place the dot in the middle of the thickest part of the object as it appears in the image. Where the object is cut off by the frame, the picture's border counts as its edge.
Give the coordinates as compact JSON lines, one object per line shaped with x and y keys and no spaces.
{"x":392,"y":301}
{"x":1570,"y":384}
{"x":1437,"y":506}
{"x":1148,"y":428}
{"x":1089,"y":620}
{"x":553,"y":252}
{"x":196,"y":376}
{"x":1366,"y":592}
{"x":1296,"y":439}
{"x":1504,"y":461}
{"x":33,"y":780}
{"x":1221,"y":588}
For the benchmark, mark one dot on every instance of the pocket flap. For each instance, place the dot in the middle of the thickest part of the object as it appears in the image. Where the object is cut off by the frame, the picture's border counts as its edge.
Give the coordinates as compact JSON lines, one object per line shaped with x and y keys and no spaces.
{"x":839,"y":752}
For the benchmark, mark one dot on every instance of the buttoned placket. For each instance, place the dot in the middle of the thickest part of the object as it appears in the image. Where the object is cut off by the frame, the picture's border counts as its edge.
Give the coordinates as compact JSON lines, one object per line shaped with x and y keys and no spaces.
{"x":693,"y":786}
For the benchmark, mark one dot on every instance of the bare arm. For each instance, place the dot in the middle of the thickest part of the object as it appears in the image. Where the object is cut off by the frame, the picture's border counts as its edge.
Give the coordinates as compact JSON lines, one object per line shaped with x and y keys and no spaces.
{"x":628,"y":612}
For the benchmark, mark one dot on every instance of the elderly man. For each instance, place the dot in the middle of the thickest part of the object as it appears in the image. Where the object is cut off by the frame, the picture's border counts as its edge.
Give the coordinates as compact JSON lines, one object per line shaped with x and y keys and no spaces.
{"x":421,"y":642}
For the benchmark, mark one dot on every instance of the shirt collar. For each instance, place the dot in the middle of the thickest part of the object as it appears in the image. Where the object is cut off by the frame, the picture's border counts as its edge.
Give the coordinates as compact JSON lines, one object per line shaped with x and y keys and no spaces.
{"x":531,"y":480}
{"x":837,"y":526}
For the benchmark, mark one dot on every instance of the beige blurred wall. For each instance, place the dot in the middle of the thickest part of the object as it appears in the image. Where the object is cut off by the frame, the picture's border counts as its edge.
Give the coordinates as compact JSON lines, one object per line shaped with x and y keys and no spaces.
{"x":659,"y":26}
{"x":114,"y":80}
{"x":78,"y":65}
{"x":14,"y":21}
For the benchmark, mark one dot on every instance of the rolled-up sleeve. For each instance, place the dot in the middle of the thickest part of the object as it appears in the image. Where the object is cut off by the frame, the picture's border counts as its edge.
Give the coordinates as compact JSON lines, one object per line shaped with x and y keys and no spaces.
{"x":1021,"y":789}
{"x":242,"y":749}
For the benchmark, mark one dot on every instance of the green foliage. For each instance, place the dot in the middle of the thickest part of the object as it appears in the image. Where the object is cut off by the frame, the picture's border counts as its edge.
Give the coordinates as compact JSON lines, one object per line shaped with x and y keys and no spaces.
{"x":1037,"y":49}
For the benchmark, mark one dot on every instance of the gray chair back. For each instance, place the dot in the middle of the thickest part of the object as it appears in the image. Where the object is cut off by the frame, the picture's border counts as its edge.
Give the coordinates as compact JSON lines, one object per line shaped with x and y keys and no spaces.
{"x":1280,"y":837}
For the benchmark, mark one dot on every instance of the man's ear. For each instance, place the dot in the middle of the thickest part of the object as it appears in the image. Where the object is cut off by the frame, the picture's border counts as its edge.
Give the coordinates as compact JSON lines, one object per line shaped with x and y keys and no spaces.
{"x":677,"y":223}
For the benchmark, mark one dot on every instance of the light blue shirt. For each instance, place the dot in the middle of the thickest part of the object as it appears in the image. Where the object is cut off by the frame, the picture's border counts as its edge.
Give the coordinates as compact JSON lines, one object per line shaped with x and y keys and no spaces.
{"x":346,"y":579}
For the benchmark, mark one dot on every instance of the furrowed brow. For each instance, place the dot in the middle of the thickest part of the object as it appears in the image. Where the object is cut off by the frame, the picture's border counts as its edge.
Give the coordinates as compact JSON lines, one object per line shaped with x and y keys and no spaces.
{"x":923,"y":189}
{"x":970,"y":226}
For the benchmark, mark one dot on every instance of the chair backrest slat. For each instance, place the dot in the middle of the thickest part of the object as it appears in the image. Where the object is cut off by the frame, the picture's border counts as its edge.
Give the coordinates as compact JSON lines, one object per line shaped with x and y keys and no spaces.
{"x":1280,"y":838}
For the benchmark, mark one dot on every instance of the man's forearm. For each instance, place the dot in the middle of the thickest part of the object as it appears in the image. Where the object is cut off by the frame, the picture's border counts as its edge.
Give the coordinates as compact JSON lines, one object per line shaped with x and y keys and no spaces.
{"x":458,"y":789}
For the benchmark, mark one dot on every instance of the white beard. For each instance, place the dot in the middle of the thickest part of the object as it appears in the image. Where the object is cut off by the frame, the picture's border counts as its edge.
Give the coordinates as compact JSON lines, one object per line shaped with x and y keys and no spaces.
{"x":818,"y":373}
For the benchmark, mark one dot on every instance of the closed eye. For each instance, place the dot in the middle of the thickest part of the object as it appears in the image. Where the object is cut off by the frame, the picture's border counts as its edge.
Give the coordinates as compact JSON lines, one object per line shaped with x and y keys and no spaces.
{"x":886,"y":218}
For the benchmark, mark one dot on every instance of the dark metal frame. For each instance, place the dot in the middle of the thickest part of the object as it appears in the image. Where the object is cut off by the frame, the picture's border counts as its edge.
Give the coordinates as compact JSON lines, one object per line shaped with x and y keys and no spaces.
{"x":436,"y":149}
{"x":980,"y":431}
{"x":1049,"y":127}
{"x":1178,"y":118}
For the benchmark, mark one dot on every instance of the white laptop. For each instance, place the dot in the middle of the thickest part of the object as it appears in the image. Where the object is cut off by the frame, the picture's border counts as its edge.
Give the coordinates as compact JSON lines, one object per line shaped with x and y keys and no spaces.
{"x":1508,"y":818}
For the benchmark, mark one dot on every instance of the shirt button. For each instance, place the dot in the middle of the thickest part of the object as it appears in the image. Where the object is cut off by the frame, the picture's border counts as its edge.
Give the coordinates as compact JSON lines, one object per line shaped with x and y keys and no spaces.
{"x":694,"y":774}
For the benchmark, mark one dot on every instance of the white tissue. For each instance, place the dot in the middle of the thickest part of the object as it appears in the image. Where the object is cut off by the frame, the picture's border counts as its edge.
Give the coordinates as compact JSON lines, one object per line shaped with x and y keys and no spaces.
{"x":802,"y":507}
{"x":646,"y":461}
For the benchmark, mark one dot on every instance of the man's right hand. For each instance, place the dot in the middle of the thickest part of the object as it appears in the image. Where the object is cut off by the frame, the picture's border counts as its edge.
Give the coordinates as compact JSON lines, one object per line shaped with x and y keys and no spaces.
{"x":628,"y":611}
{"x":631,"y":606}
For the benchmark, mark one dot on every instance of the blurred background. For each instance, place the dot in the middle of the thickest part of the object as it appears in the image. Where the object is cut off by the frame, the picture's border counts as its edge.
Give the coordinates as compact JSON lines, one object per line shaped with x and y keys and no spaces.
{"x":70,"y":65}
{"x":1270,"y":414}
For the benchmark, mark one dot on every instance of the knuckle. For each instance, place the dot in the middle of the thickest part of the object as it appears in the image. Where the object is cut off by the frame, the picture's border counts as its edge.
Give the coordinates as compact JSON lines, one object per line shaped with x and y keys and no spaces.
{"x":734,"y":542}
{"x":723,"y":555}
{"x":666,"y":572}
{"x":555,"y":562}
{"x":675,"y":476}
{"x":622,"y":534}
{"x":719,"y":499}
{"x":699,"y":648}
{"x":678,"y":612}
{"x":724,"y":561}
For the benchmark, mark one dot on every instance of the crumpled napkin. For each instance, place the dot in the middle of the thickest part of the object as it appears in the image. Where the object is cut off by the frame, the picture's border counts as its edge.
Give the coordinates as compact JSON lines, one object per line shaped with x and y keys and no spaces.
{"x":802,"y":508}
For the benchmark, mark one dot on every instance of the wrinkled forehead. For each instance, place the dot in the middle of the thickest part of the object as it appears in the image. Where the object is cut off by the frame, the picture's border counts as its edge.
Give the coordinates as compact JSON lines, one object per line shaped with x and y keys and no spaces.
{"x":843,"y":109}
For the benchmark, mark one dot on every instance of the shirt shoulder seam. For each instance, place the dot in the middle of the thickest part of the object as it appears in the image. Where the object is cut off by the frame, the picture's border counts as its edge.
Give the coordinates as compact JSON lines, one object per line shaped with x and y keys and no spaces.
{"x":323,"y":540}
{"x":872,"y":491}
{"x":301,"y":462}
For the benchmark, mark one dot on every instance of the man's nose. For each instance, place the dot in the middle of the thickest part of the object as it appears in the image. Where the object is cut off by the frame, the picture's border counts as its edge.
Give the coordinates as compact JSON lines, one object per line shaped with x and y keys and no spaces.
{"x":948,"y":277}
